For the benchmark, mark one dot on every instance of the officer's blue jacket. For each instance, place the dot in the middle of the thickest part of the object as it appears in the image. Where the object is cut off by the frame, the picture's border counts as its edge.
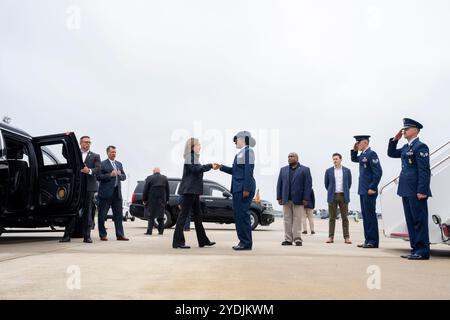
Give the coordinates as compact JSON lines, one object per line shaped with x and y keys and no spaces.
{"x":370,"y":171}
{"x":242,"y":171}
{"x":415,"y":176}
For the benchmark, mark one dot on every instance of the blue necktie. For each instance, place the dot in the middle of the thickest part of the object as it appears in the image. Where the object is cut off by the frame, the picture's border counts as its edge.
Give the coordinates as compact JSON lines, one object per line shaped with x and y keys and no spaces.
{"x":117,"y":178}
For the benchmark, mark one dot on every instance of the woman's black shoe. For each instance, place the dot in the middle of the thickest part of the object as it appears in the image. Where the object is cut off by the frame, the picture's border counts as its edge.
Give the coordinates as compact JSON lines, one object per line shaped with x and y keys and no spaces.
{"x":210,"y":244}
{"x":181,"y":247}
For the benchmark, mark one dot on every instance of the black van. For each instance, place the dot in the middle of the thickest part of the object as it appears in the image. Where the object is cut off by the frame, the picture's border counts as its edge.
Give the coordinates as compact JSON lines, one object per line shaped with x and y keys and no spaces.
{"x":40,"y":179}
{"x":216,"y":204}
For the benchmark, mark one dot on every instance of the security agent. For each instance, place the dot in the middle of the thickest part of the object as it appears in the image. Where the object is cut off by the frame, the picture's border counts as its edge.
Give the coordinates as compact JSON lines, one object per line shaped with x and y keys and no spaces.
{"x":370,"y":173}
{"x":414,"y":186}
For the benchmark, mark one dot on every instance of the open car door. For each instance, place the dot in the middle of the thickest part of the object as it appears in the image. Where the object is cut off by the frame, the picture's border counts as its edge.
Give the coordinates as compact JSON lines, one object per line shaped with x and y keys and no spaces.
{"x":4,"y":175}
{"x":60,"y":185}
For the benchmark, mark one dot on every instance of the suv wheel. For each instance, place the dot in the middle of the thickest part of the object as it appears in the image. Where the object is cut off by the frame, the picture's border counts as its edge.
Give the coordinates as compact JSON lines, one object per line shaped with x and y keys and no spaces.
{"x":167,"y":220}
{"x":254,"y":220}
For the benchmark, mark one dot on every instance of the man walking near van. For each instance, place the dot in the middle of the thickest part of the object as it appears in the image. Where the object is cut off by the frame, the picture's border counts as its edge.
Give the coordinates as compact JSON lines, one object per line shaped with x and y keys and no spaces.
{"x":155,"y":197}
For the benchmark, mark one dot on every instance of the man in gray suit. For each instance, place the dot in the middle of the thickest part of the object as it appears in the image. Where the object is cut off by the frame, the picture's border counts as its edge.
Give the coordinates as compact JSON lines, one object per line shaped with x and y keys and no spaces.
{"x":91,"y":167}
{"x":110,"y":194}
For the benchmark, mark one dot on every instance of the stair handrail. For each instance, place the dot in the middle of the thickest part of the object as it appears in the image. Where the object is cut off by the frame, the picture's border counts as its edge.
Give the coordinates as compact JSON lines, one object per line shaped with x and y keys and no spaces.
{"x":434,"y":166}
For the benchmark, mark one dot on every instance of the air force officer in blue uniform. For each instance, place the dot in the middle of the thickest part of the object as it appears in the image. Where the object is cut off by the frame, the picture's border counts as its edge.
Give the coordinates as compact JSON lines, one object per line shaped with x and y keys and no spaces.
{"x":370,"y":173}
{"x":243,"y":187}
{"x":414,"y":186}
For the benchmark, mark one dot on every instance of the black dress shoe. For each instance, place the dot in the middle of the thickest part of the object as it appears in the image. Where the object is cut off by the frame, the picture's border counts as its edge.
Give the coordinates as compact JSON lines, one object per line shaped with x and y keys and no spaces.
{"x":210,"y":244}
{"x":286,"y":243}
{"x":65,"y":239}
{"x":298,"y":243}
{"x":87,"y":240}
{"x":160,"y":233}
{"x":369,"y":246}
{"x":241,"y":248}
{"x":183,"y":246}
{"x":148,"y":233}
{"x":417,"y":257}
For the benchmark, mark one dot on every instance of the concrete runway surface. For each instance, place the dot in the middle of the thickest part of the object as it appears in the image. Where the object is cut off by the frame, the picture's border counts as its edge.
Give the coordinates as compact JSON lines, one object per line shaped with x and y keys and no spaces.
{"x":36,"y":266}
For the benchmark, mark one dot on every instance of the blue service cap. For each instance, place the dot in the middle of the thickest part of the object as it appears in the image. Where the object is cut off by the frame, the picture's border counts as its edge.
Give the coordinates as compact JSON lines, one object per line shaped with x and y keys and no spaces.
{"x":245,"y":134}
{"x":362,"y":137}
{"x":410,"y":123}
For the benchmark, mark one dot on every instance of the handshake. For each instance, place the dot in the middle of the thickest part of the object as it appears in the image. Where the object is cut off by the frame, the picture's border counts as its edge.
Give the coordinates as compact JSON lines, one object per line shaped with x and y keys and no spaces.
{"x":216,"y":166}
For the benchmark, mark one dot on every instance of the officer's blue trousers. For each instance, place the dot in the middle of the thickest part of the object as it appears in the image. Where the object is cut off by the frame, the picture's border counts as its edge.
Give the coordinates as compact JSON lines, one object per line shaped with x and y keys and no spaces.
{"x":416,"y":215}
{"x":241,"y":208}
{"x":370,"y":221}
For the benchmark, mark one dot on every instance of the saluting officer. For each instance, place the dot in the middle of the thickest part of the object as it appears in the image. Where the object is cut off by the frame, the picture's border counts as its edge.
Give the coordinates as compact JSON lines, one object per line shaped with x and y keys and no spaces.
{"x":414,"y":186}
{"x":370,"y":173}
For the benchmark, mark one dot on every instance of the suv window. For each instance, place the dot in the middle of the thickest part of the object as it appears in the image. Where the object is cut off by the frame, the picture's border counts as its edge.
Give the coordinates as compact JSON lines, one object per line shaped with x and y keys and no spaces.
{"x":173,"y":185}
{"x":54,"y":154}
{"x":2,"y":148}
{"x":213,"y":191}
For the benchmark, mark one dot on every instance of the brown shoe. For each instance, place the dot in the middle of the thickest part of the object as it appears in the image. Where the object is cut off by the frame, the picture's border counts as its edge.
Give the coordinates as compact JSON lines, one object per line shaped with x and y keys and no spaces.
{"x":347,"y":241}
{"x":104,"y":238}
{"x":122,"y":239}
{"x":330,"y":240}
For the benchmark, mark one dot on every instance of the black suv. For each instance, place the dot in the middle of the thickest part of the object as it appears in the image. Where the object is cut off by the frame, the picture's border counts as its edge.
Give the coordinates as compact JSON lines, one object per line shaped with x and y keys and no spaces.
{"x":216,"y":204}
{"x":40,"y":179}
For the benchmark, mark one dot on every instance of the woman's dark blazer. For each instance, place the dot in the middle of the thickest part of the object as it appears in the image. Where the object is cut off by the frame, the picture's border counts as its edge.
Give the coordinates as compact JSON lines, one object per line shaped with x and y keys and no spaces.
{"x":192,"y":181}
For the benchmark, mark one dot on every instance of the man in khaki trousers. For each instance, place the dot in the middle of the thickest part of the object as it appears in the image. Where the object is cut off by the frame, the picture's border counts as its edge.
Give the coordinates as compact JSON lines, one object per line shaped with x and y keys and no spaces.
{"x":338,"y":181}
{"x":294,"y":189}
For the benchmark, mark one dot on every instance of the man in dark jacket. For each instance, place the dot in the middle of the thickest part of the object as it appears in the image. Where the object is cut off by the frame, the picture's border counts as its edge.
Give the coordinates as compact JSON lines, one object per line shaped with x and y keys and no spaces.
{"x":110,"y":175}
{"x":91,"y":167}
{"x":338,"y":181}
{"x":294,"y":190}
{"x":155,"y":197}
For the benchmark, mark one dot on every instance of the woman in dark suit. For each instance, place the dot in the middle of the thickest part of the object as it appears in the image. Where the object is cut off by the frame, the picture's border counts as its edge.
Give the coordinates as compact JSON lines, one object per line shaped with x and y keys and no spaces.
{"x":190,"y":189}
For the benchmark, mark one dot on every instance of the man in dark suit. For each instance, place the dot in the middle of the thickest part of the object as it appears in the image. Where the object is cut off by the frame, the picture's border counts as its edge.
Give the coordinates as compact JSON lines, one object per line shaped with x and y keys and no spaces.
{"x":155,"y":197}
{"x":91,"y":167}
{"x":243,"y":187}
{"x":294,"y":188}
{"x":110,"y":194}
{"x":338,"y":181}
{"x":414,"y":186}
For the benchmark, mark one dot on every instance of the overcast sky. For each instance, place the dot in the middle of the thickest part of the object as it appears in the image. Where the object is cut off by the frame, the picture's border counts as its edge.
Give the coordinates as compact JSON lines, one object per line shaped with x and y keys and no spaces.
{"x":302,"y":76}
